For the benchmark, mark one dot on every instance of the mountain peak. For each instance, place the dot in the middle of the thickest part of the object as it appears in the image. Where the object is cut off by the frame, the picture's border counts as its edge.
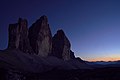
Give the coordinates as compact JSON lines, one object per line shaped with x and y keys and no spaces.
{"x":38,"y":39}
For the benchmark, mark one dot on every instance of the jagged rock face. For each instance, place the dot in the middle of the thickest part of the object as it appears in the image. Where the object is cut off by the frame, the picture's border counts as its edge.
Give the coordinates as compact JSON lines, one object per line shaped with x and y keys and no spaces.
{"x":72,"y":56}
{"x":13,"y":36}
{"x":18,"y":36}
{"x":40,"y":37}
{"x":61,"y":45}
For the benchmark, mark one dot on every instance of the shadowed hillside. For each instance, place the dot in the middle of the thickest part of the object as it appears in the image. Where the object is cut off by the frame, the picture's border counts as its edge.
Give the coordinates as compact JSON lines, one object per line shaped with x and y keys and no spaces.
{"x":33,"y":54}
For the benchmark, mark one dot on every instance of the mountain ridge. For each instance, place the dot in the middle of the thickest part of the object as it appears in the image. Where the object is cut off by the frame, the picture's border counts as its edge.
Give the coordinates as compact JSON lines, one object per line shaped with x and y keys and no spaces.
{"x":35,"y":50}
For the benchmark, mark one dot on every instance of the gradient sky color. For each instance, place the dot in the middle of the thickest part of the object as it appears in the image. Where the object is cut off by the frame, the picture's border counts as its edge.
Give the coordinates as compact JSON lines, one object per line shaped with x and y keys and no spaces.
{"x":92,"y":26}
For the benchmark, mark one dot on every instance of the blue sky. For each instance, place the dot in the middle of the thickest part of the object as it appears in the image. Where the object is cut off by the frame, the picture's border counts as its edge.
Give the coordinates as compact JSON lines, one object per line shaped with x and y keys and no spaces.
{"x":92,"y":26}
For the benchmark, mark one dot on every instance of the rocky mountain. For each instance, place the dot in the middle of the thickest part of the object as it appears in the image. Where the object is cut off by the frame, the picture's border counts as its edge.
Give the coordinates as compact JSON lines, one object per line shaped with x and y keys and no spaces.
{"x":47,"y":58}
{"x":18,"y":36}
{"x":44,"y":52}
{"x":38,"y":40}
{"x":40,"y":37}
{"x":61,"y":45}
{"x":72,"y":56}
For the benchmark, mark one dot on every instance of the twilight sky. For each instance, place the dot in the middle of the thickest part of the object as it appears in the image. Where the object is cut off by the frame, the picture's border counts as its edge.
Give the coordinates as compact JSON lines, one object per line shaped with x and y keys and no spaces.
{"x":92,"y":26}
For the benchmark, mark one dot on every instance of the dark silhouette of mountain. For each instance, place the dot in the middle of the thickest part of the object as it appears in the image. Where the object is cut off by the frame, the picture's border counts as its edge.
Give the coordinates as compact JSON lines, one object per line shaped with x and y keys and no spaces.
{"x":34,"y":51}
{"x":33,"y":54}
{"x":40,"y":37}
{"x":18,"y":36}
{"x":61,"y":45}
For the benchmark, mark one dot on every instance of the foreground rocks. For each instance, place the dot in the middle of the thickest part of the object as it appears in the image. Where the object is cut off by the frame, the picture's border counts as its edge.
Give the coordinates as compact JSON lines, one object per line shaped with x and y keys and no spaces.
{"x":17,"y":60}
{"x":16,"y":65}
{"x":85,"y":74}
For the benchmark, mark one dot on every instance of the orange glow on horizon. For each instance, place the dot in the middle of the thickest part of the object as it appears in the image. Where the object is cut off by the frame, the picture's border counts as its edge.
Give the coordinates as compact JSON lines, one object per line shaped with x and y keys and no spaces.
{"x":112,"y":58}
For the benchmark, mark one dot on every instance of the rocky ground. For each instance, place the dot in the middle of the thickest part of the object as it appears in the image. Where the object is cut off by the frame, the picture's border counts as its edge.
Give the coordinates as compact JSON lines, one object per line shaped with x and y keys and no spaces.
{"x":80,"y":74}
